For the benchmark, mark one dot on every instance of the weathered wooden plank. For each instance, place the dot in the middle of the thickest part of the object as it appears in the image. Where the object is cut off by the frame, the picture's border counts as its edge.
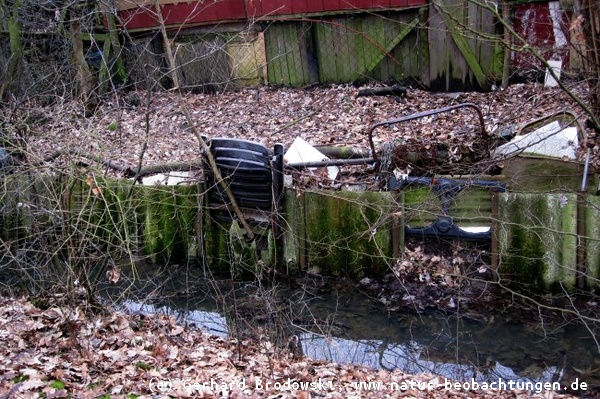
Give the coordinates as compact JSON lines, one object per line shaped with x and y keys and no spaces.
{"x":327,"y":60}
{"x":276,"y":54}
{"x":342,"y":51}
{"x":461,"y":40}
{"x":292,"y":55}
{"x":356,"y":50}
{"x":391,"y":45}
{"x":246,"y":60}
{"x":289,"y":55}
{"x":439,"y":53}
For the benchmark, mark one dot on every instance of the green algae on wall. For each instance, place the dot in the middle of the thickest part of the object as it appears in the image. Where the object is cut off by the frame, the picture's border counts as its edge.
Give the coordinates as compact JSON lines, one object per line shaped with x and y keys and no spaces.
{"x":421,"y":206}
{"x":348,"y":233}
{"x":471,"y":206}
{"x":112,"y":214}
{"x":170,"y":217}
{"x":537,"y":239}
{"x":592,"y":243}
{"x":545,"y":175}
{"x":294,"y":259}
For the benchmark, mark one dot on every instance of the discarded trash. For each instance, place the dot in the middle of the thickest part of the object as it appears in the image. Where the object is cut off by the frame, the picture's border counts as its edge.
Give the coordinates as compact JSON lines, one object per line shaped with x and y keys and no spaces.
{"x":301,"y":151}
{"x":556,"y":66}
{"x":549,"y":140}
{"x":168,"y":179}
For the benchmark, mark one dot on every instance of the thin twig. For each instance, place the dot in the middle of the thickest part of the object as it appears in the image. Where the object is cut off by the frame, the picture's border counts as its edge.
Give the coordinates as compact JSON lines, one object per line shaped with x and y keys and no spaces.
{"x":206,"y":149}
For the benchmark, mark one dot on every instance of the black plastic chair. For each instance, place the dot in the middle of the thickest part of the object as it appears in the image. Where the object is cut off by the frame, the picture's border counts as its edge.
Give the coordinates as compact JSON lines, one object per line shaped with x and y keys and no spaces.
{"x":251,"y":173}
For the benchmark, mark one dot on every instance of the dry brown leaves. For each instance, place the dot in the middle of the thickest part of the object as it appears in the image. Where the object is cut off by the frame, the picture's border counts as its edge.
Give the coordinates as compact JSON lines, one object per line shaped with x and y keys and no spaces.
{"x":66,"y":352}
{"x":155,"y":127}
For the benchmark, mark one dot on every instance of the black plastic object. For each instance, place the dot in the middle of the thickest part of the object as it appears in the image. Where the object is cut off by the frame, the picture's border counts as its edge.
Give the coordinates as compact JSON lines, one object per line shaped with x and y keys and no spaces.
{"x":446,"y":190}
{"x":252,"y":174}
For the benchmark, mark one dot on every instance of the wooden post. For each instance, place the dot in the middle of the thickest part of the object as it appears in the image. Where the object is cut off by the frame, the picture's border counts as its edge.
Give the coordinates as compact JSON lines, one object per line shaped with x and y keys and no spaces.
{"x":16,"y":49}
{"x":84,"y":76}
{"x":506,"y":62}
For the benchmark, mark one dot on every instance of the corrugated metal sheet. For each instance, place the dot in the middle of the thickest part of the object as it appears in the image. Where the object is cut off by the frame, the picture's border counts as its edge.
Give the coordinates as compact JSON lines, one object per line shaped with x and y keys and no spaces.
{"x":140,"y":14}
{"x":181,"y":14}
{"x":544,"y":26}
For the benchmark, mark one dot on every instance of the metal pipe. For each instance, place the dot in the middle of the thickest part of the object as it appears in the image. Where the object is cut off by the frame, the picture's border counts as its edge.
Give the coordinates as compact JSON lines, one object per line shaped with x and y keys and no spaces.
{"x":333,"y":162}
{"x":586,"y":168}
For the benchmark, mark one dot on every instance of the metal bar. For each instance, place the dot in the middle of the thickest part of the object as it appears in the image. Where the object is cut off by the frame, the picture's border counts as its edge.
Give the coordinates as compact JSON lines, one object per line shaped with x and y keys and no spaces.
{"x":333,"y":162}
{"x":494,"y":185}
{"x":586,"y":168}
{"x":424,"y":114}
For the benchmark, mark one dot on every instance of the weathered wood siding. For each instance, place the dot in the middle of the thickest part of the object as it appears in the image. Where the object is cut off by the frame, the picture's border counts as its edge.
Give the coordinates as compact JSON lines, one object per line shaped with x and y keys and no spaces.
{"x":290,"y":54}
{"x":459,"y":57}
{"x":346,"y":48}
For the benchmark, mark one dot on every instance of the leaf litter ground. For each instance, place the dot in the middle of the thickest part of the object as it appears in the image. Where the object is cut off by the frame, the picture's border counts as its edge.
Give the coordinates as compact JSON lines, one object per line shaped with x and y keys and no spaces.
{"x":57,"y":351}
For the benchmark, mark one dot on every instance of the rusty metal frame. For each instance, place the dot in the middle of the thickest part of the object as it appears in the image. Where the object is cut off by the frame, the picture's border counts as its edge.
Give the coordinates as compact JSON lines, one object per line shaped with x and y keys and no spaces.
{"x":423,"y":114}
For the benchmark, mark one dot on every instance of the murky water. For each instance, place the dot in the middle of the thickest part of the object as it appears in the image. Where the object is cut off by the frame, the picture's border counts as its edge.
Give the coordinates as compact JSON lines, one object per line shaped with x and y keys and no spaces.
{"x":349,"y":328}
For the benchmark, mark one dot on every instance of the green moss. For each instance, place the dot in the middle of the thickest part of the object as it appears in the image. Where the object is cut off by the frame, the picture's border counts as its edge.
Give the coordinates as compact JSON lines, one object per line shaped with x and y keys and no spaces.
{"x":592,"y":234}
{"x":293,"y":230}
{"x":348,"y":233}
{"x":170,"y":220}
{"x":523,"y":256}
{"x":537,"y":239}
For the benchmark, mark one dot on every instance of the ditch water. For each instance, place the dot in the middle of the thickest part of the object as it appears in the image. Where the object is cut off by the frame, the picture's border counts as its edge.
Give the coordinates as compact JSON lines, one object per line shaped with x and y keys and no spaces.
{"x":345,"y":327}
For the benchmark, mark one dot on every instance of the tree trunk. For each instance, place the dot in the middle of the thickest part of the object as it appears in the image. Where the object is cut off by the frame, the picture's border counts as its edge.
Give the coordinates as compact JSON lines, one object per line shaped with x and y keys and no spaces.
{"x":16,"y":49}
{"x":591,"y":28}
{"x":84,"y":76}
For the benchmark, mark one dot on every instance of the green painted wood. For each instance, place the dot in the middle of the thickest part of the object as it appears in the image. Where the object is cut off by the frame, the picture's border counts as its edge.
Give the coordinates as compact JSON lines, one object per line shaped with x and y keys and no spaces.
{"x":356,"y":57}
{"x":276,"y":54}
{"x":327,"y":59}
{"x":292,"y":55}
{"x":287,"y":51}
{"x":343,"y":50}
{"x":391,"y":45}
{"x":538,"y":239}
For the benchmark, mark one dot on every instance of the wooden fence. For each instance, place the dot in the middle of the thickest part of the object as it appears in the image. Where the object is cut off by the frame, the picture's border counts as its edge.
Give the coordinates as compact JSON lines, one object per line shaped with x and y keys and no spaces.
{"x":447,"y":45}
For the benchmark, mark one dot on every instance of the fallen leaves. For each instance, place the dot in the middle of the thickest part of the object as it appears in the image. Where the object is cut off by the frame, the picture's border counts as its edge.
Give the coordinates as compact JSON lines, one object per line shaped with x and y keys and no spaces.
{"x":135,"y":356}
{"x":157,"y":132}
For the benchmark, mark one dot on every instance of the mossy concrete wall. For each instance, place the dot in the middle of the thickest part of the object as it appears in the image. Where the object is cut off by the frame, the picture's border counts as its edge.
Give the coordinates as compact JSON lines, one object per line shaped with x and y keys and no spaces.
{"x":326,"y":232}
{"x":537,"y":237}
{"x":110,"y":215}
{"x":592,"y":241}
{"x":340,"y":233}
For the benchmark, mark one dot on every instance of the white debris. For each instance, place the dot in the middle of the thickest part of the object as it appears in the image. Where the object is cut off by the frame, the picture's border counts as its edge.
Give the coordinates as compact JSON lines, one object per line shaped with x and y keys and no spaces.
{"x":549,"y":140}
{"x":168,"y":179}
{"x":302,"y":152}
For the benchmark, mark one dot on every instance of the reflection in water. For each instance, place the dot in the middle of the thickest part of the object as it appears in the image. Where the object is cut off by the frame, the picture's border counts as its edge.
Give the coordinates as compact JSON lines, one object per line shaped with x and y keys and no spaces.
{"x":415,"y":343}
{"x":411,"y":358}
{"x":211,"y":322}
